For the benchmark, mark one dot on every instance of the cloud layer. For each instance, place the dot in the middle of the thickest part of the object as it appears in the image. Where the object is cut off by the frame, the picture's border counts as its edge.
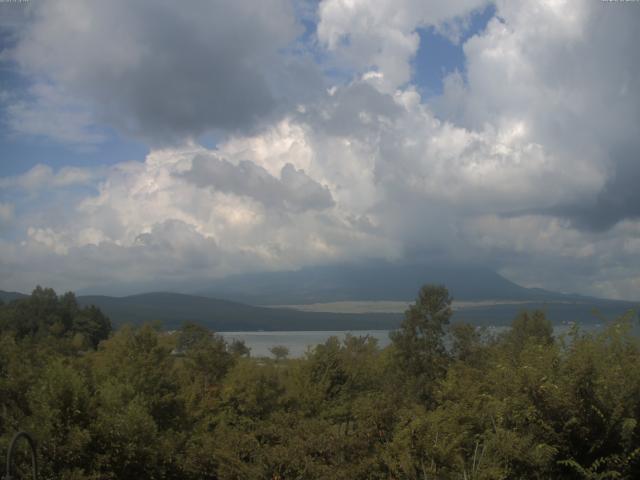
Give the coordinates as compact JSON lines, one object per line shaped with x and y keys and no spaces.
{"x":526,"y":163}
{"x":159,"y":70}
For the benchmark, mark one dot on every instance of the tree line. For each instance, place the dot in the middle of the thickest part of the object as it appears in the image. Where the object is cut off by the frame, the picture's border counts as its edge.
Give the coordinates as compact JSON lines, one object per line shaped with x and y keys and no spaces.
{"x":142,"y":403}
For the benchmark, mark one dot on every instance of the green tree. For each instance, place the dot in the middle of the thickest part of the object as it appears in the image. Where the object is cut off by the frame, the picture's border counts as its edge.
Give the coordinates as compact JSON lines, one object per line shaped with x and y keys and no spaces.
{"x":419,"y":342}
{"x":61,"y":412}
{"x":279,"y":352}
{"x":44,"y":314}
{"x":238,"y":348}
{"x":529,"y":328}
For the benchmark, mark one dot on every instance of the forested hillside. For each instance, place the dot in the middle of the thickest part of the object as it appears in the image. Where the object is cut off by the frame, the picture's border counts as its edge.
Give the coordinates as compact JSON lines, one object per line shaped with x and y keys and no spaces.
{"x":173,"y":309}
{"x":140,"y":403}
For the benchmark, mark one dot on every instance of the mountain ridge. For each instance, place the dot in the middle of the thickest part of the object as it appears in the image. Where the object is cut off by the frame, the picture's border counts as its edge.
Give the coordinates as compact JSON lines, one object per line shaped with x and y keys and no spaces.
{"x":263,"y":301}
{"x":374,"y":281}
{"x":173,"y":309}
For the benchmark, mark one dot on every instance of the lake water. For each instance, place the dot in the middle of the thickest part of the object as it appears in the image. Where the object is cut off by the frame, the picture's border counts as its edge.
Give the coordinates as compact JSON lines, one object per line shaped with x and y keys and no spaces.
{"x":297,"y":342}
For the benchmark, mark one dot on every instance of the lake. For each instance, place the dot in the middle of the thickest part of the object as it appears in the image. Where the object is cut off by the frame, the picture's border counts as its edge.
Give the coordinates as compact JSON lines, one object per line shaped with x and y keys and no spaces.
{"x":297,"y":342}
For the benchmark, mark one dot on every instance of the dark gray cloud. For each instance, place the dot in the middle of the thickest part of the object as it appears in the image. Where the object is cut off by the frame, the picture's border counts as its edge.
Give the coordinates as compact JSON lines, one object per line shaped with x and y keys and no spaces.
{"x":13,"y":16}
{"x":294,"y":190}
{"x":166,"y":70}
{"x":618,"y":200}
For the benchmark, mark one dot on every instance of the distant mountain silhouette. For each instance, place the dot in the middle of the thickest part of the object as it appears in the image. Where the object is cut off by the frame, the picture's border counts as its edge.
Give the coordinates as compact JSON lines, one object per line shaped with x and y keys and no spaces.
{"x":173,"y":309}
{"x":7,"y":297}
{"x":371,"y":281}
{"x":239,"y":302}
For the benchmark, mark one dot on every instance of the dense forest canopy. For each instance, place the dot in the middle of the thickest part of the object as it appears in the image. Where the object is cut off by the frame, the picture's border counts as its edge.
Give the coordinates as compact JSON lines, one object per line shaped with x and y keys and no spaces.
{"x":44,"y":314}
{"x":142,"y":403}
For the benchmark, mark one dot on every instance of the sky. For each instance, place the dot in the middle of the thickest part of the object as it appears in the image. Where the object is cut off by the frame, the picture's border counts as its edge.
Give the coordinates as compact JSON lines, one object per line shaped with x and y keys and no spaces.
{"x":157,"y":145}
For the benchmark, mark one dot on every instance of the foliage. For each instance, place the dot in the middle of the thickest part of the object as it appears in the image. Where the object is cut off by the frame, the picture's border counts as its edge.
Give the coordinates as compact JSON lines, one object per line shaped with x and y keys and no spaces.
{"x":279,"y":352}
{"x":442,"y":401}
{"x":44,"y":314}
{"x":419,"y":343}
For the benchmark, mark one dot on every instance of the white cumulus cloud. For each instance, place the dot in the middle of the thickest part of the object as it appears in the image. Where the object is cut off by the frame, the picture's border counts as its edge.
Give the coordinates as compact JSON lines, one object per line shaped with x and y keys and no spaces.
{"x":528,"y":160}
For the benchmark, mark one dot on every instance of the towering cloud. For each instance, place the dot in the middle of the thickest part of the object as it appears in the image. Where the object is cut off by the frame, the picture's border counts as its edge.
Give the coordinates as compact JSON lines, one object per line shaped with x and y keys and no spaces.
{"x":324,"y":148}
{"x":382,"y":35}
